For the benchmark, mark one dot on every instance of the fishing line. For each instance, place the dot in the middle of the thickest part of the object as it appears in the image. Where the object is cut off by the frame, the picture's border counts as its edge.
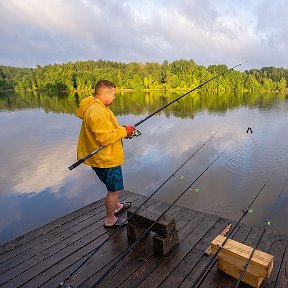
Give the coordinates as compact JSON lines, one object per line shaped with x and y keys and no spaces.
{"x":77,"y":163}
{"x":213,"y":260}
{"x":267,"y":223}
{"x":123,"y":225}
{"x":125,"y":252}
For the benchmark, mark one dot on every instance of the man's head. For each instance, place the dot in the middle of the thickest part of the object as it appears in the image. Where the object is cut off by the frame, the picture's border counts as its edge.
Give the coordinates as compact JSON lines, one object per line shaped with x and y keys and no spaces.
{"x":105,"y":91}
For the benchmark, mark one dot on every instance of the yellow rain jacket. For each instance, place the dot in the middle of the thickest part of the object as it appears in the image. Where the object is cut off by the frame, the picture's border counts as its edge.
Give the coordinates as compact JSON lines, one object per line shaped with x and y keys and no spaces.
{"x":99,"y":128}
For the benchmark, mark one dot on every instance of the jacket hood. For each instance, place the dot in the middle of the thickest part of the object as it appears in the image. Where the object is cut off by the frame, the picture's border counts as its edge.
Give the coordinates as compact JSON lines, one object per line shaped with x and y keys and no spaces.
{"x":84,"y":104}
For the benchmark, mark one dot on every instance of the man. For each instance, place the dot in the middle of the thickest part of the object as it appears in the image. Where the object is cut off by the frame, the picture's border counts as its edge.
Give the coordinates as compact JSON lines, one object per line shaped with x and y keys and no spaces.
{"x":100,"y":128}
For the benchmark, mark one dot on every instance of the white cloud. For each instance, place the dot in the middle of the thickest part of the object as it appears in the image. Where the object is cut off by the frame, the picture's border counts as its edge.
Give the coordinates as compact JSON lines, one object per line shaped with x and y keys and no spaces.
{"x":206,"y":31}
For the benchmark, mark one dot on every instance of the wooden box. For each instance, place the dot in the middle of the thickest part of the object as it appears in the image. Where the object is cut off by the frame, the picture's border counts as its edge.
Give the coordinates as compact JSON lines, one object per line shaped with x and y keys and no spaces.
{"x":233,"y":257}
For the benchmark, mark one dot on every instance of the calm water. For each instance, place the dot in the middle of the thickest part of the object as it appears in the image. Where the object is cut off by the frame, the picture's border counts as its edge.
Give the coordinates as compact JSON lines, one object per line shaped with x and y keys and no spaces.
{"x":39,"y":135}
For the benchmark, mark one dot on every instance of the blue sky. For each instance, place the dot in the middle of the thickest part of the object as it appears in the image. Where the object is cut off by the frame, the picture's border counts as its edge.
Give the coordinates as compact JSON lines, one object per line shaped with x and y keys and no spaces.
{"x":208,"y":31}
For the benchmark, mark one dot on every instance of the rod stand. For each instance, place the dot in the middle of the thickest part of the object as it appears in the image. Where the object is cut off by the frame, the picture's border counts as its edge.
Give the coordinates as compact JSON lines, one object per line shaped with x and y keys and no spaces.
{"x":166,"y":237}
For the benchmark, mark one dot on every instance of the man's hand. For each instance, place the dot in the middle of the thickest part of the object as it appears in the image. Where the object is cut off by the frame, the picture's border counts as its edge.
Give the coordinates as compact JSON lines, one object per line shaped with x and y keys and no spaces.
{"x":129,"y":130}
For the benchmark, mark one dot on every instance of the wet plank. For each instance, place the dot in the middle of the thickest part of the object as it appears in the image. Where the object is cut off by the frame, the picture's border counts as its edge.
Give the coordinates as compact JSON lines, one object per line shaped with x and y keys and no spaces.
{"x":21,"y":274}
{"x":50,"y":243}
{"x":24,"y":239}
{"x":109,"y":252}
{"x":47,"y":255}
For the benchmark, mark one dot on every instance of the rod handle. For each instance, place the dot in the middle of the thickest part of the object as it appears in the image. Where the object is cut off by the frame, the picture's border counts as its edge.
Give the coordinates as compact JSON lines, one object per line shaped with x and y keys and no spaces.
{"x":85,"y":158}
{"x":74,"y":165}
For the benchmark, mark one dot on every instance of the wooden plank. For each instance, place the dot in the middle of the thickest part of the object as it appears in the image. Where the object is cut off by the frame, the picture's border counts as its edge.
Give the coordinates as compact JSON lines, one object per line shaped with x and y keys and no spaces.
{"x":4,"y":248}
{"x":133,"y":261}
{"x":97,"y":264}
{"x":252,"y":239}
{"x":172,"y":210}
{"x":183,"y":269}
{"x":144,"y":218}
{"x":223,"y":233}
{"x":93,"y":279}
{"x":237,"y":254}
{"x":44,"y":235}
{"x":278,"y":249}
{"x":49,"y":232}
{"x":108,"y":251}
{"x":50,"y":260}
{"x":215,"y":277}
{"x":74,"y":237}
{"x":48,"y":256}
{"x":282,"y":277}
{"x":172,"y":260}
{"x":63,"y":232}
{"x":234,"y":271}
{"x":151,"y":263}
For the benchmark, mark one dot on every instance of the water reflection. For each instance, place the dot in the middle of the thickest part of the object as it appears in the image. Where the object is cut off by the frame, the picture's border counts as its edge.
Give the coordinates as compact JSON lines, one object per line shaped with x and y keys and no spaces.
{"x":39,"y":143}
{"x":139,"y":103}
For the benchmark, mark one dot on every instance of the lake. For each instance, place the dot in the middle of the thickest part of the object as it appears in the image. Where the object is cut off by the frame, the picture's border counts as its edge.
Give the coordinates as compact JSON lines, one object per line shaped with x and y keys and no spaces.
{"x":39,"y":134}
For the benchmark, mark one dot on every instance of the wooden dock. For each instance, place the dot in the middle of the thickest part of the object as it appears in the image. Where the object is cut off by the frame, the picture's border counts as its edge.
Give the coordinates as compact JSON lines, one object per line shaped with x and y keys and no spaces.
{"x":47,"y":255}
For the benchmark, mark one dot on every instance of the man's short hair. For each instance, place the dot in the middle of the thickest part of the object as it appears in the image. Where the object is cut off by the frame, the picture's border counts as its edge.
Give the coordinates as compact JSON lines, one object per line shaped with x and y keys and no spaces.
{"x":102,"y":84}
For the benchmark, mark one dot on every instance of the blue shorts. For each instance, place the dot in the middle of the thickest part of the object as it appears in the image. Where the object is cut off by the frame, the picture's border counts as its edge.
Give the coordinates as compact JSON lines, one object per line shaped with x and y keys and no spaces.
{"x":111,"y":177}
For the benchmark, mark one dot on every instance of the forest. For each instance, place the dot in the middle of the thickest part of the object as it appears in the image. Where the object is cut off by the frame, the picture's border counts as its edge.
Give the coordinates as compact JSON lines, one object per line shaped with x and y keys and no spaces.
{"x":179,"y":75}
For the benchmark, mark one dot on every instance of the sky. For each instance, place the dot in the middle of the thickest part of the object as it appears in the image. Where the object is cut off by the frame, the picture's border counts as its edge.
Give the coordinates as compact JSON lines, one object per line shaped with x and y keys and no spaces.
{"x":42,"y":32}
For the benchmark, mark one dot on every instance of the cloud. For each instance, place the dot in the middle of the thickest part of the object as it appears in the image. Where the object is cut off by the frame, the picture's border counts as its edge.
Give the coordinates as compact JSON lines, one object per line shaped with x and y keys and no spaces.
{"x":42,"y":32}
{"x":34,"y":165}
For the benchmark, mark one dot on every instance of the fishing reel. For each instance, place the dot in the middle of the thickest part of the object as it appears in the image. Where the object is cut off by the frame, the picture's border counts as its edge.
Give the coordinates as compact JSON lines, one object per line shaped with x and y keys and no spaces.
{"x":135,"y":133}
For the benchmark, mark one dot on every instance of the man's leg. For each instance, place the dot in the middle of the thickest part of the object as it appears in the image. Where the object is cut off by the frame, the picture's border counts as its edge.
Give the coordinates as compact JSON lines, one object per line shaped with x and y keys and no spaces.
{"x":113,"y":180}
{"x":112,"y":204}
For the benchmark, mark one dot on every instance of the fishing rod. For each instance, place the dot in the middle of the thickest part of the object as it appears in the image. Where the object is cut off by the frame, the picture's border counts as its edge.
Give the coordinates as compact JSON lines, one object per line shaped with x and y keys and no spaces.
{"x":267,"y":223}
{"x":136,"y":132}
{"x":138,"y":208}
{"x":125,"y":252}
{"x":213,"y":260}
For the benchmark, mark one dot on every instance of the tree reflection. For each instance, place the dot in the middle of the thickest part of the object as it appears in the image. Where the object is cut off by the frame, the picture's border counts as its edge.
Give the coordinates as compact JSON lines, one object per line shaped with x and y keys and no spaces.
{"x":139,"y":103}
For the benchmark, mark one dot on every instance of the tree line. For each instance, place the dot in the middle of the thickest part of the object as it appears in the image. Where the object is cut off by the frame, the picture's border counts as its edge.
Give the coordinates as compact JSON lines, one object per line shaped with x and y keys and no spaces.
{"x":177,"y":75}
